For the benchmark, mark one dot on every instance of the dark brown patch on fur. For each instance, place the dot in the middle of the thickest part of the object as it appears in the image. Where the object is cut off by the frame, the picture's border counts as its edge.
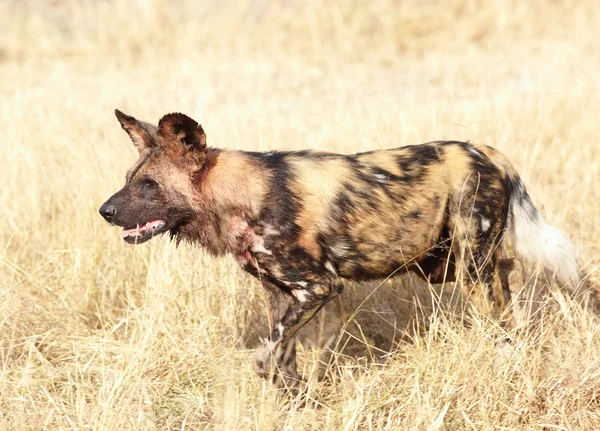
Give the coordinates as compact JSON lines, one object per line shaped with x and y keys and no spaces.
{"x":182,"y":135}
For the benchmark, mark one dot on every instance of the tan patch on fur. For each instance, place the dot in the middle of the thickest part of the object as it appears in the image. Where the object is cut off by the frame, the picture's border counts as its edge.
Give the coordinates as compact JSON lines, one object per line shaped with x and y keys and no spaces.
{"x":458,"y":166}
{"x":317,"y":183}
{"x":384,"y":159}
{"x":232,"y":188}
{"x":234,"y":182}
{"x":498,"y":159}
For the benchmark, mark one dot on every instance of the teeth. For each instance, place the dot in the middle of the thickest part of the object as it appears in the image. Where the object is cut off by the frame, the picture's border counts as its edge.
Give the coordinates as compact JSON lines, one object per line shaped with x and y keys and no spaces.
{"x":141,"y":230}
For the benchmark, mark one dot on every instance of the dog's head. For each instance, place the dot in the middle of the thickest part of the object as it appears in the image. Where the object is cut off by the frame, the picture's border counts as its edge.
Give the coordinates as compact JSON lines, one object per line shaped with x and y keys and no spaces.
{"x":157,"y":196}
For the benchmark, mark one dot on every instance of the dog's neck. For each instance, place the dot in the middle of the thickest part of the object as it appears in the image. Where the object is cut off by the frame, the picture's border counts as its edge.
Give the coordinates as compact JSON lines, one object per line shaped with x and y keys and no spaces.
{"x":227,"y":196}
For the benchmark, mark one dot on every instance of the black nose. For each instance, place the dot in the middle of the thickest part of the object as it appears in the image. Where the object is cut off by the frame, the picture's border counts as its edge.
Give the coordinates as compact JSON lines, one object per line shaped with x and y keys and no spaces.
{"x":107,"y":210}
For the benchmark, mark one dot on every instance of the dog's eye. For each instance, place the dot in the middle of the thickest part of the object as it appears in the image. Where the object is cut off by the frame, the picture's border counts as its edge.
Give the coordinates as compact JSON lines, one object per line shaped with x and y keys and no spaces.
{"x":149,"y":182}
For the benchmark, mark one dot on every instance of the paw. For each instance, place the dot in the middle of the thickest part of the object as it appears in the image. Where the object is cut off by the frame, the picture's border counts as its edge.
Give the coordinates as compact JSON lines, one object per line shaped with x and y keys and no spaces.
{"x":276,"y":363}
{"x":264,"y":362}
{"x":504,"y":351}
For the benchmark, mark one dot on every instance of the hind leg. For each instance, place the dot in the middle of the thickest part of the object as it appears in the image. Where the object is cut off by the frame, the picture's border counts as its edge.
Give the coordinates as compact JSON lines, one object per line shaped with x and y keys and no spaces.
{"x":476,"y":246}
{"x":512,"y":276}
{"x":506,"y":268}
{"x":483,"y":288}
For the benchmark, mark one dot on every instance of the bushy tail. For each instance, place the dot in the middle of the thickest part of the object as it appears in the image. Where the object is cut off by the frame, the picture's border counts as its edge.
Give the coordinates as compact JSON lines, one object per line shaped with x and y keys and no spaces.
{"x":540,"y":243}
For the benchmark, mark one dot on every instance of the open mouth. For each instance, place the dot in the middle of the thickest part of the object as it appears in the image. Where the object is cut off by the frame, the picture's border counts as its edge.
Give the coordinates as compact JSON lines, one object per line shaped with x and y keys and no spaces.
{"x":142,"y":233}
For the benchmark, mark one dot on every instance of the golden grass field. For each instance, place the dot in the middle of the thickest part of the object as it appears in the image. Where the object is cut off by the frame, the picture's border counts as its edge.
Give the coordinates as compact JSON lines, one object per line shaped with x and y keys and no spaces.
{"x":98,"y":334}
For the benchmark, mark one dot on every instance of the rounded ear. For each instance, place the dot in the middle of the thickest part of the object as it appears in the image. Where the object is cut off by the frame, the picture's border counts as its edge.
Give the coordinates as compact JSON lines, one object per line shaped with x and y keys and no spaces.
{"x":180,"y":133}
{"x":141,"y":133}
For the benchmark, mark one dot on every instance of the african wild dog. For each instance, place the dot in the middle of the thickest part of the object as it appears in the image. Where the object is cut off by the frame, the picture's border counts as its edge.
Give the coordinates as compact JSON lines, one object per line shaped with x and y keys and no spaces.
{"x":303,"y":221}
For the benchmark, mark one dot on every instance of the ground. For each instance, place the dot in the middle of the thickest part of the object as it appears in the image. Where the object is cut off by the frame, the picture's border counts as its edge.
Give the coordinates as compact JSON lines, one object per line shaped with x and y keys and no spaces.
{"x":97,"y":334}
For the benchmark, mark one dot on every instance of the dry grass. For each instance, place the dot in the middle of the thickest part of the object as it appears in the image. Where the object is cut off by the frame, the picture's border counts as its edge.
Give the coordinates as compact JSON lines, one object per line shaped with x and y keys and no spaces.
{"x":96,"y":334}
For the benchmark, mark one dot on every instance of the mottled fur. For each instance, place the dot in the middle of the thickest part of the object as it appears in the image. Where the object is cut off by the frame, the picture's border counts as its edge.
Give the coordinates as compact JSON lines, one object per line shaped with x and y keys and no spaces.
{"x":303,"y":221}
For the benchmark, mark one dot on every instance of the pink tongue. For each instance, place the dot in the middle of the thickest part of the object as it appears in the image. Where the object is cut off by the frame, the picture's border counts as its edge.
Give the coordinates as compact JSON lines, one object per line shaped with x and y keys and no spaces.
{"x":130,"y":232}
{"x":140,"y":230}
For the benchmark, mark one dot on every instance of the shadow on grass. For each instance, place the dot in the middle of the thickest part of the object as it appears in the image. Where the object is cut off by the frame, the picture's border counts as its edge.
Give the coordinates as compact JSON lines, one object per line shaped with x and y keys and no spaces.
{"x":371,"y":320}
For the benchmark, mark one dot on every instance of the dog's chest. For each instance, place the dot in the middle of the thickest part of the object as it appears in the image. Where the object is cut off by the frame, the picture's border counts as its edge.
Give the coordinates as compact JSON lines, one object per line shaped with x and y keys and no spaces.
{"x":255,"y":245}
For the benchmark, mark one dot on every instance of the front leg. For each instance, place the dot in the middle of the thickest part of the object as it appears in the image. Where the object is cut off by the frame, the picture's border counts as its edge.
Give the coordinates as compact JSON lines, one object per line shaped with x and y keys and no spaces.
{"x":277,"y":355}
{"x":278,"y":301}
